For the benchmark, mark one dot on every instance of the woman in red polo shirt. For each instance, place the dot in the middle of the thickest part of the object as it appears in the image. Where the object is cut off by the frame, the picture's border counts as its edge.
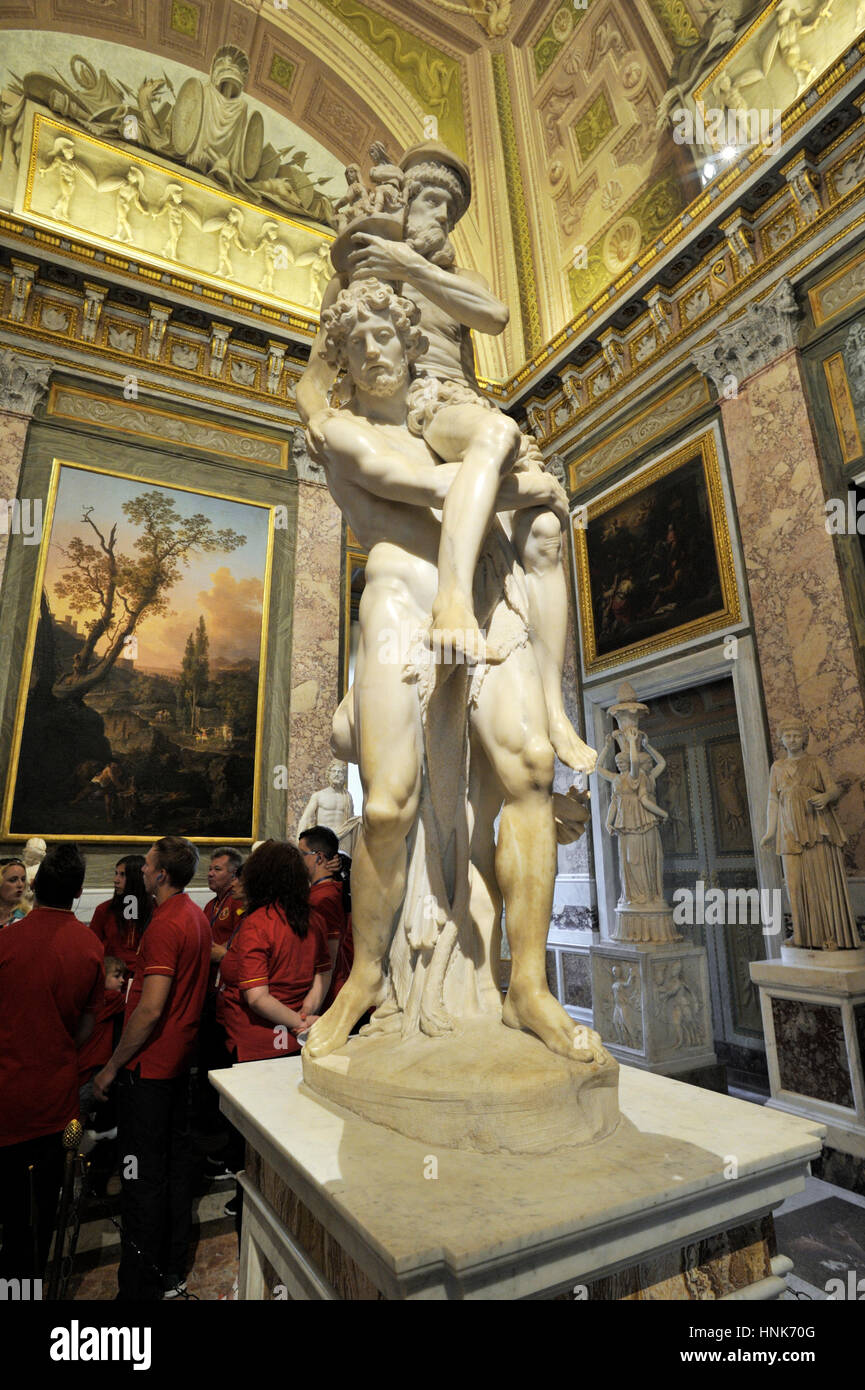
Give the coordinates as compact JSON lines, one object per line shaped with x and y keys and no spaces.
{"x":277,"y":966}
{"x":120,"y":921}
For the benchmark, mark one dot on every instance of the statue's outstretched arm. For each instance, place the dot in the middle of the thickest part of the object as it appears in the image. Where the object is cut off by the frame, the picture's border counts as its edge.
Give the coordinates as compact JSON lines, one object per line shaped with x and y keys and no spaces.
{"x":601,"y":764}
{"x":463,"y":294}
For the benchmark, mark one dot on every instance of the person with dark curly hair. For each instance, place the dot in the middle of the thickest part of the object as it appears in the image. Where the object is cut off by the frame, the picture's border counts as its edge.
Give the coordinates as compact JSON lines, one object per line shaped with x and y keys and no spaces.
{"x":276,"y":971}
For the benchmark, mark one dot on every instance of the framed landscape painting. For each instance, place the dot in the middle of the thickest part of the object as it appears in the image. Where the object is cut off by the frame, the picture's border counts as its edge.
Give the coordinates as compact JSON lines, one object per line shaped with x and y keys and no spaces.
{"x":654,"y":560}
{"x":139,"y":711}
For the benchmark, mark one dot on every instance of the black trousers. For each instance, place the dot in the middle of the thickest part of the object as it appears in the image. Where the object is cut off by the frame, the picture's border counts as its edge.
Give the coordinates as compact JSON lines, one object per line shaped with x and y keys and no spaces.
{"x":212,"y":1055}
{"x":154,"y":1149}
{"x":28,"y":1204}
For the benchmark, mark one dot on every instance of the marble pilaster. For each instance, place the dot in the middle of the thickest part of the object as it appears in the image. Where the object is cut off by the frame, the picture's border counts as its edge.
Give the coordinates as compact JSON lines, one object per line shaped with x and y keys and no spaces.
{"x":23,"y":383}
{"x":806,"y":647}
{"x":315,"y":675}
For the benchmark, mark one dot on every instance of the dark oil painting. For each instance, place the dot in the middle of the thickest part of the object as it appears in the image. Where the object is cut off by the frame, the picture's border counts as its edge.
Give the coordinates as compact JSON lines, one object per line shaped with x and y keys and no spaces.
{"x":653,"y":562}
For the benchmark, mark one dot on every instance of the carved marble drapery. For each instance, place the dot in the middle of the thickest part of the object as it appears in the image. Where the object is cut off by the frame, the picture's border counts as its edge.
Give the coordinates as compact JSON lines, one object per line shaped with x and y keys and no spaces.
{"x":806,"y":646}
{"x":23,"y":384}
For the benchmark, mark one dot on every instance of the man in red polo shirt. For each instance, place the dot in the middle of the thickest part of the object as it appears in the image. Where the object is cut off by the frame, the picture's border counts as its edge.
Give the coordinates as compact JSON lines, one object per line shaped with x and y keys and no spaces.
{"x":151,"y":1064}
{"x":50,"y":989}
{"x":224,"y":913}
{"x":320,"y":847}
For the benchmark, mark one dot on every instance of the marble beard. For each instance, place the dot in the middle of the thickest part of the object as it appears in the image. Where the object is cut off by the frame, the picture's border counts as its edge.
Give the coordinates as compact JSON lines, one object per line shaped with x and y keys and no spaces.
{"x":446,"y":736}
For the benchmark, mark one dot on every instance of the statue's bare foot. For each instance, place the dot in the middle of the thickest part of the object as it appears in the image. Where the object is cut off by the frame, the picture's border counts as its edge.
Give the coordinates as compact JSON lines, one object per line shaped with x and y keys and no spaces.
{"x":538,"y":1012}
{"x":333,"y":1028}
{"x":454,"y":632}
{"x":569,"y":747}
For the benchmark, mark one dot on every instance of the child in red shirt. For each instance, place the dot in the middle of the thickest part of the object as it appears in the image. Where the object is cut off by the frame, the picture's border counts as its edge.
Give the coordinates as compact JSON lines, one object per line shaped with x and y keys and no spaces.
{"x":100,"y":1045}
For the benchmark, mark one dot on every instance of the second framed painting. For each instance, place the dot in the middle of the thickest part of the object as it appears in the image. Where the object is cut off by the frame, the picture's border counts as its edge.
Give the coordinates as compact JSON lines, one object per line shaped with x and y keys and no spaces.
{"x":654,"y":560}
{"x":140,"y":705}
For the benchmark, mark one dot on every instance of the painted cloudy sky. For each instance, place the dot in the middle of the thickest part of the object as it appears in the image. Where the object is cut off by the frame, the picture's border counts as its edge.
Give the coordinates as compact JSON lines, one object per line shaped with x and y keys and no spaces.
{"x":226,"y":587}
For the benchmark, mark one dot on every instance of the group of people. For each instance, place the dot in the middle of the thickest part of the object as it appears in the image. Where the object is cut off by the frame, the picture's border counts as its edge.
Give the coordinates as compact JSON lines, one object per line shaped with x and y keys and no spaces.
{"x":105,"y":1023}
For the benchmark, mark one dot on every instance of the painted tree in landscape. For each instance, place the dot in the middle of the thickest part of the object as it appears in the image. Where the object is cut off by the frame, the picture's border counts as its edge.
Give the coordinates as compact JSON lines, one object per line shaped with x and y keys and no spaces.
{"x":194,"y":673}
{"x":113,"y":591}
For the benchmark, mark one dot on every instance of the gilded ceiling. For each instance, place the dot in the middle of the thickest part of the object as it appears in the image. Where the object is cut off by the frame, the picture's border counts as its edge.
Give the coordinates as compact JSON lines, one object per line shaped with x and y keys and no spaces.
{"x":564,"y":111}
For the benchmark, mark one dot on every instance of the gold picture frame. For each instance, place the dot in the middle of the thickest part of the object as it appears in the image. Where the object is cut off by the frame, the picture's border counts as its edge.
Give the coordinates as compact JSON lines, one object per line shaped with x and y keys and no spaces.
{"x":620,"y":620}
{"x":109,"y":836}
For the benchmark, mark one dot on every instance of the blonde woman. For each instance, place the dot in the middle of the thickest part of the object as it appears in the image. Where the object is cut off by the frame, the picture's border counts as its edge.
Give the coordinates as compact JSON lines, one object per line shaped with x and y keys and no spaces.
{"x":13,"y":884}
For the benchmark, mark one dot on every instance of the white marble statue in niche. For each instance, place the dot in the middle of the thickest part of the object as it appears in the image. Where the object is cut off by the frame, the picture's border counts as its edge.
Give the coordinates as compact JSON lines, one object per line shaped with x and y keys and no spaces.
{"x":333,"y":806}
{"x":634,"y":818}
{"x":804,"y":829}
{"x":34,"y":852}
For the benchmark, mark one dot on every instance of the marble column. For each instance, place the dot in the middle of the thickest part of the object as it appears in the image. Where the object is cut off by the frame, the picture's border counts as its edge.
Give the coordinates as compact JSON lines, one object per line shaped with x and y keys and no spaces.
{"x":23,"y":383}
{"x":315,"y":667}
{"x":807,"y":650}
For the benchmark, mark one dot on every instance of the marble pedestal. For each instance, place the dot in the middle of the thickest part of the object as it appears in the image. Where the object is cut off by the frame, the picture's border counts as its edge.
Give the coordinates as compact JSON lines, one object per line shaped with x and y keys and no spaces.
{"x":641,"y":1018}
{"x":813,"y":1005}
{"x":676,"y":1204}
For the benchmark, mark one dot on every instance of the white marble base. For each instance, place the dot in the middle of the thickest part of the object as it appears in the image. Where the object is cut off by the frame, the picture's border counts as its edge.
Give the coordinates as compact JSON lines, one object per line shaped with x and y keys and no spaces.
{"x":483,"y":1087}
{"x":410,"y":1222}
{"x":645,"y":925}
{"x":823,"y":960}
{"x":814,"y":1022}
{"x":638,"y":1023}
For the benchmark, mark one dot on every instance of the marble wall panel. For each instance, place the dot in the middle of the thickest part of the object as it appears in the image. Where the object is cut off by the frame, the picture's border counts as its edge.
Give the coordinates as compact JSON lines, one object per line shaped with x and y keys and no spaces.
{"x":807,"y":651}
{"x":812,"y":1056}
{"x":576,"y":980}
{"x":859,"y":1016}
{"x":315,"y":677}
{"x":709,"y":1269}
{"x":13,"y":432}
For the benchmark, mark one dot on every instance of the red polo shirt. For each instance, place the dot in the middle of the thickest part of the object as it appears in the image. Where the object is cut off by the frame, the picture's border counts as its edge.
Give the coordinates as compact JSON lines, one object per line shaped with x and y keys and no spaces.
{"x":99,"y":1046}
{"x":122,"y":942}
{"x":326,"y":897}
{"x":266,"y":951}
{"x":224,"y":915}
{"x":177,"y":944}
{"x":50,"y":974}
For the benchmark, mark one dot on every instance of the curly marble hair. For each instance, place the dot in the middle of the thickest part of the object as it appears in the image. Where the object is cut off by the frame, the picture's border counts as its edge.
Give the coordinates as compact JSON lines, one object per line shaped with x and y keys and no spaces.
{"x":794,"y":725}
{"x":365,"y":298}
{"x":436,"y":175}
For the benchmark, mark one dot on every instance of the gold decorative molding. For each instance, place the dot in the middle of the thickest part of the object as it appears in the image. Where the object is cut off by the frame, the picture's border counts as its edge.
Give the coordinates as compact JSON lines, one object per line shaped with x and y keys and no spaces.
{"x":730,"y":612}
{"x":149,"y":421}
{"x":839,"y":291}
{"x":528,"y":289}
{"x":663,"y":414}
{"x":842,"y":407}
